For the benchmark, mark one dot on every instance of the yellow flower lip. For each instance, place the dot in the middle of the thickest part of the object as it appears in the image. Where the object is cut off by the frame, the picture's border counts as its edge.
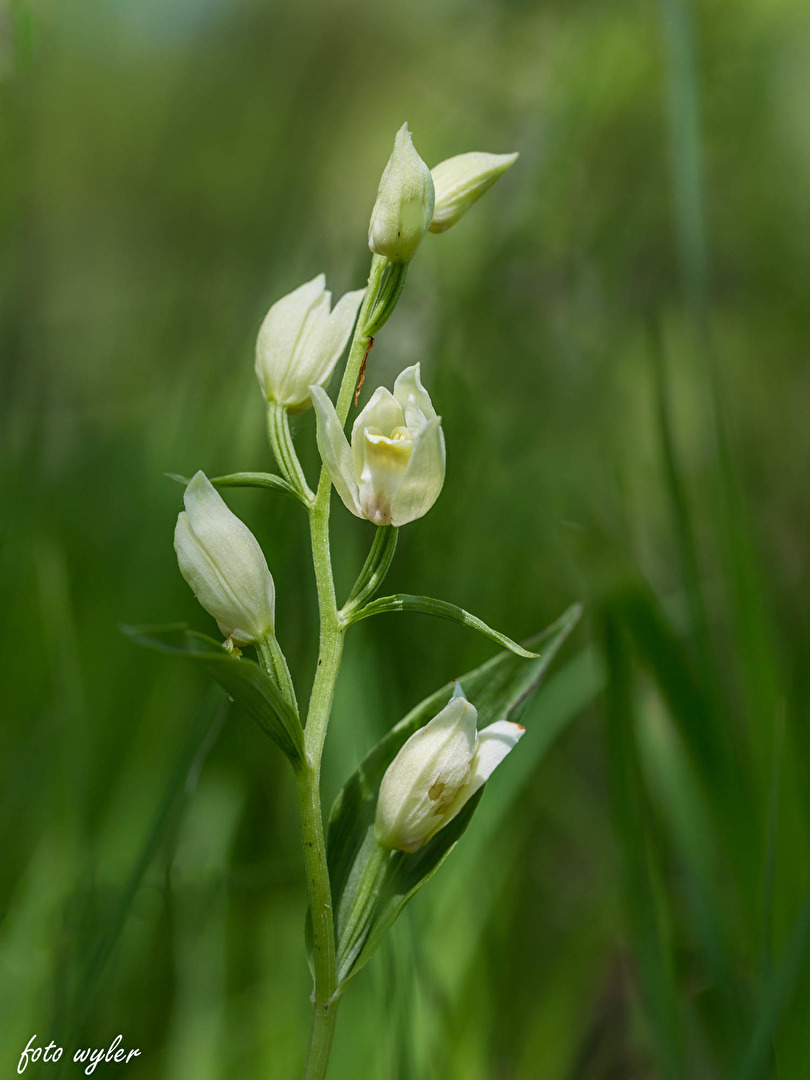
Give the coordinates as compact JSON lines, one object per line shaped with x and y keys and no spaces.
{"x":399,"y":444}
{"x":385,"y":461}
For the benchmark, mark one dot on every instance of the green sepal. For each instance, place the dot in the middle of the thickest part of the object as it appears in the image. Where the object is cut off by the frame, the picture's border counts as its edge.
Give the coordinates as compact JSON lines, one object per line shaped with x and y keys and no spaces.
{"x":430,"y":606}
{"x":242,"y":680}
{"x":244,"y":479}
{"x":370,"y":885}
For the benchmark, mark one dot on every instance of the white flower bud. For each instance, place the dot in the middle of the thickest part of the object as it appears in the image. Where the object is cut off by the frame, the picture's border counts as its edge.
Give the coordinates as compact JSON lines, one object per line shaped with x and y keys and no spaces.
{"x":404,"y":207}
{"x":221,"y":560}
{"x":300,"y":342}
{"x":437,"y":771}
{"x":462,"y":180}
{"x":394,"y":470}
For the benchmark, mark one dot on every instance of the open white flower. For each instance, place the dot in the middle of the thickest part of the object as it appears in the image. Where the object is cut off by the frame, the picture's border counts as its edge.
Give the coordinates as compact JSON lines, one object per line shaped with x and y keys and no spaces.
{"x":462,"y":180}
{"x":300,"y":342}
{"x":437,"y":772}
{"x":394,"y":470}
{"x":221,"y":560}
{"x":404,"y":206}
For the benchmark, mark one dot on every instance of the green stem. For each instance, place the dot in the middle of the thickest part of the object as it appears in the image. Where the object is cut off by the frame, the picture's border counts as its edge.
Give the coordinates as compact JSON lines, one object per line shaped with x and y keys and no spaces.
{"x":278,"y":432}
{"x":361,"y":339}
{"x":324,"y":997}
{"x":330,"y":651}
{"x":307,"y":778}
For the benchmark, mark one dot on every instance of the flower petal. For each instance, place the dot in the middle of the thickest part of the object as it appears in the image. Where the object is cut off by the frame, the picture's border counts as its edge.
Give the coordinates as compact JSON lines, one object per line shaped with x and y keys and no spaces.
{"x":414,"y":400}
{"x":322,"y":348}
{"x":280,"y":333}
{"x":424,"y":476}
{"x":334,"y":450}
{"x":494,"y":743}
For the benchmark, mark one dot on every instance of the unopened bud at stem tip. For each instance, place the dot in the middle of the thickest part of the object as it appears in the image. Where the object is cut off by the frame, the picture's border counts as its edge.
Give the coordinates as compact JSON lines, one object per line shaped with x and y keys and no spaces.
{"x":403,"y":209}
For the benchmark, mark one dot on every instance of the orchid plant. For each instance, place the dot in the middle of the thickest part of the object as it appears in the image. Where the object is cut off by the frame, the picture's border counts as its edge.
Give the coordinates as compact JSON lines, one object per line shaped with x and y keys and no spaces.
{"x":410,"y":800}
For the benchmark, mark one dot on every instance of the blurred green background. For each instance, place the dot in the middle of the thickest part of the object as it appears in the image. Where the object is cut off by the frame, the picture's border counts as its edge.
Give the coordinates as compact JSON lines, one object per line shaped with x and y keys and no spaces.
{"x":617,"y":339}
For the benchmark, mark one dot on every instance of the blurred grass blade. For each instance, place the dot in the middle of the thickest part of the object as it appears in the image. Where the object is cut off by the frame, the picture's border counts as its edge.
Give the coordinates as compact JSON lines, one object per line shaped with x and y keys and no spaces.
{"x":756,"y":649}
{"x":684,"y":531}
{"x":243,"y":680}
{"x":774,"y":801}
{"x":686,"y":157}
{"x":663,"y":654}
{"x":645,"y":896}
{"x":792,"y":965}
{"x":201,"y":739}
{"x":728,"y":787}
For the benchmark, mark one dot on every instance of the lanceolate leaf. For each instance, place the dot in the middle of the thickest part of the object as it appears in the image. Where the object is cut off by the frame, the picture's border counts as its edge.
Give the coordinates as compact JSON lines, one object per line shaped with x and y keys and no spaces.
{"x":244,"y":479}
{"x":243,"y":681}
{"x":374,"y":569}
{"x":430,"y":606}
{"x":370,"y":887}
